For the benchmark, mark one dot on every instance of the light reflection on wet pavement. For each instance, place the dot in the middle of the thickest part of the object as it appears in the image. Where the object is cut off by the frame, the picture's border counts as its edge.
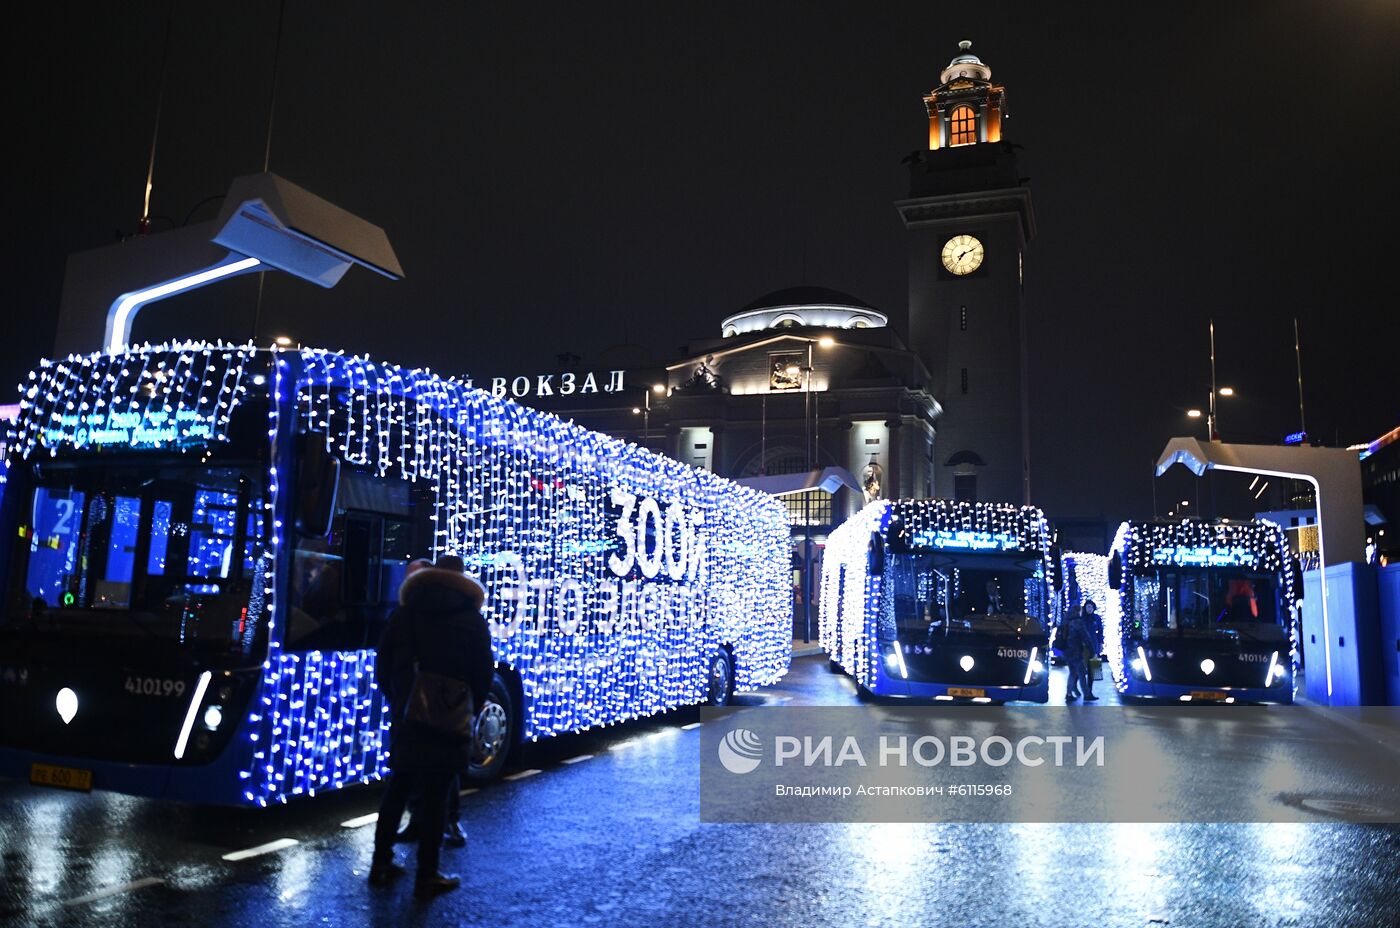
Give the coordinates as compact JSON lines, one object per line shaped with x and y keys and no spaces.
{"x":615,"y":839}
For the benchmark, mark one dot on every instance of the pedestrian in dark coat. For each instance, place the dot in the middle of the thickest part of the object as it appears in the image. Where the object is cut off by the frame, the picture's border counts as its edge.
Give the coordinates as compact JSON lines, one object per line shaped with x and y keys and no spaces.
{"x":1093,"y":628}
{"x":438,"y":627}
{"x":1074,"y":638}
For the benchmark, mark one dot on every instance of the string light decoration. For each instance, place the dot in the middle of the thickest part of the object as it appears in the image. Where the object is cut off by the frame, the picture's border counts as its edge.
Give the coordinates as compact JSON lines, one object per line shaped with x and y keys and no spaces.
{"x":855,"y":606}
{"x":614,"y":575}
{"x":1085,"y":578}
{"x":1142,"y":548}
{"x":173,"y":395}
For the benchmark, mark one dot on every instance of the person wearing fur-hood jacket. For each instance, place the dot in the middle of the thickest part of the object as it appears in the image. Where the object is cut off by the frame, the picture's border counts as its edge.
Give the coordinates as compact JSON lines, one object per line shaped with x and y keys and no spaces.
{"x":437,"y":627}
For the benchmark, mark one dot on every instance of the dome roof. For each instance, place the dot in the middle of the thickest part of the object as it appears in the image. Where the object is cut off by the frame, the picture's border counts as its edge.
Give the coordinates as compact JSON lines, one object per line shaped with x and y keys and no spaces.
{"x":805,"y":296}
{"x":965,"y":64}
{"x":804,"y":306}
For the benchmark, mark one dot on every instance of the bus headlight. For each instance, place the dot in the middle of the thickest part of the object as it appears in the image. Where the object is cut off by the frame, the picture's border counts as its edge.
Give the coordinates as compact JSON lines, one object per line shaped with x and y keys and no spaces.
{"x":894,"y":661}
{"x":1140,"y":665}
{"x":966,"y":662}
{"x":66,"y":702}
{"x":1276,"y":673}
{"x":213,"y":717}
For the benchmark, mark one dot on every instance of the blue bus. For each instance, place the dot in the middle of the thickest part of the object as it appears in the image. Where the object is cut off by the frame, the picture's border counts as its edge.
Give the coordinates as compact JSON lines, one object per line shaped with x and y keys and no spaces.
{"x":940,"y":599}
{"x":1202,"y":611}
{"x":204,"y":542}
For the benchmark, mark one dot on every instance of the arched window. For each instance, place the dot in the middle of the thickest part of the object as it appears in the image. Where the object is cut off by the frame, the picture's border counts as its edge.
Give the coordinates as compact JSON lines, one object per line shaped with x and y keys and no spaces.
{"x":962,"y":126}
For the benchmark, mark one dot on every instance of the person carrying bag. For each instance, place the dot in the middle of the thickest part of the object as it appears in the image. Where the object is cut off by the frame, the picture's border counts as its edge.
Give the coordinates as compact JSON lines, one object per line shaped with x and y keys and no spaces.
{"x":435,"y":667}
{"x":440,"y":703}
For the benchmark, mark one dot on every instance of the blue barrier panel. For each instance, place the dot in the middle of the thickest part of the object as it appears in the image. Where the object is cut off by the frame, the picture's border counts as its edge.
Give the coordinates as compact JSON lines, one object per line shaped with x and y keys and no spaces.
{"x":1354,"y":644}
{"x":1388,"y":590}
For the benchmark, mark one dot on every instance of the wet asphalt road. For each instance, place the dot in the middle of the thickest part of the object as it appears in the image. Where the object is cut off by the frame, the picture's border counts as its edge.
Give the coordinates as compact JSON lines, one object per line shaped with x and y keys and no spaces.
{"x":603,"y":829}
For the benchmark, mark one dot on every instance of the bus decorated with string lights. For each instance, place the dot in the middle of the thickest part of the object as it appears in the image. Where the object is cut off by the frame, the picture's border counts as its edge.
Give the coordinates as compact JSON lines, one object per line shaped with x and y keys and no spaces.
{"x":940,"y":599}
{"x":204,"y":543}
{"x":1202,"y":611}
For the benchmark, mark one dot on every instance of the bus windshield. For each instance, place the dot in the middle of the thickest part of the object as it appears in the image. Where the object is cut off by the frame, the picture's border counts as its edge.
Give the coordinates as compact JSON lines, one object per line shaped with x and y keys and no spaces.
{"x":1207,"y":602}
{"x":982,"y":592}
{"x":161,"y":549}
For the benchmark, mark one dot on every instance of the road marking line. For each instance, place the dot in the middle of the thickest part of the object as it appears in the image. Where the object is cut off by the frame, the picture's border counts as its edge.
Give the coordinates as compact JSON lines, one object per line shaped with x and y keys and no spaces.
{"x":524,"y":773}
{"x":575,"y":760}
{"x":468,"y":791}
{"x":692,"y":726}
{"x":361,"y":821}
{"x":280,"y":844}
{"x":114,"y":890}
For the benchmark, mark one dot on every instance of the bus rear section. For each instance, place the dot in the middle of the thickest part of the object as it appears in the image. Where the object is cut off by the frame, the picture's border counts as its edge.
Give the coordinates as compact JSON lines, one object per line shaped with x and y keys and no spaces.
{"x":941,"y":600}
{"x":1202,"y":612}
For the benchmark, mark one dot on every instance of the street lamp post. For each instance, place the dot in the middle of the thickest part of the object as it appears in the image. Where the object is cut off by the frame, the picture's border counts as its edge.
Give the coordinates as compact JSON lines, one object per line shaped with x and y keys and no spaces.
{"x":1211,"y":416}
{"x":645,"y":411}
{"x":1210,"y":422}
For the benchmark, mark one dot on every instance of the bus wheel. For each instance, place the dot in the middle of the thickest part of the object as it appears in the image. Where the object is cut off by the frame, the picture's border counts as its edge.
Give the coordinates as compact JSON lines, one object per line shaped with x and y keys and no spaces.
{"x":834,"y":667}
{"x":720,"y":689}
{"x":496,"y":733}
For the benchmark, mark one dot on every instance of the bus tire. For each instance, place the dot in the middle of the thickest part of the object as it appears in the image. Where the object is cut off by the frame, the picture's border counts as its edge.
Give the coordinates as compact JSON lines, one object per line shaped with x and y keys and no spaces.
{"x":834,"y":667}
{"x":497,"y":733}
{"x":719,"y":689}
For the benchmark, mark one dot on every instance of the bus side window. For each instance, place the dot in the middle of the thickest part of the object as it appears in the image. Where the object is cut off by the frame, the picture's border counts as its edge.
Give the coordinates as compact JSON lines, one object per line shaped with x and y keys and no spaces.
{"x":344,"y":587}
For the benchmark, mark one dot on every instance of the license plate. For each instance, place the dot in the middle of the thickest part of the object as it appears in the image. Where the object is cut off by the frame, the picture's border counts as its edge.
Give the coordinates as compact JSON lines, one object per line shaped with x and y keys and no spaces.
{"x":966,"y":691}
{"x":61,"y":777}
{"x":1207,"y":694}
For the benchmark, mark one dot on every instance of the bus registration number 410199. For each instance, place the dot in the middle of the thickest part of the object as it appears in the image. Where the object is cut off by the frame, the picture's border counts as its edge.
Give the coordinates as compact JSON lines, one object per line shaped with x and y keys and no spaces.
{"x":154,"y":686}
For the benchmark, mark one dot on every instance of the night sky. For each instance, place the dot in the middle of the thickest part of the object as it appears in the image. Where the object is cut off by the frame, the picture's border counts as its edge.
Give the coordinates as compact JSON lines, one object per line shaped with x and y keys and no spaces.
{"x":578,"y":177}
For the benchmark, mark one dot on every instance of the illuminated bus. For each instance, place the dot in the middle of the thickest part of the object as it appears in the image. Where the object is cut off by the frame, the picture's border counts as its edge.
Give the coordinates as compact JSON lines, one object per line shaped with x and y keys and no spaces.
{"x":204,"y":544}
{"x":940,"y":599}
{"x":1202,"y":612}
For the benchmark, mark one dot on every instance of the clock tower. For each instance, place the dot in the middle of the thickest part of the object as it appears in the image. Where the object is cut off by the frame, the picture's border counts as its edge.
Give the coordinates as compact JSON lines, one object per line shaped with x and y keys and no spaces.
{"x":969,"y":219}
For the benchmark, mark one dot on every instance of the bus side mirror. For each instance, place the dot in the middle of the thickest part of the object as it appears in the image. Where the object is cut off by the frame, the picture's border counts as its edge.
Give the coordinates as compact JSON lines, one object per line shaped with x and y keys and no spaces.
{"x":1115,"y":572}
{"x":877,"y":555}
{"x":318,"y":485}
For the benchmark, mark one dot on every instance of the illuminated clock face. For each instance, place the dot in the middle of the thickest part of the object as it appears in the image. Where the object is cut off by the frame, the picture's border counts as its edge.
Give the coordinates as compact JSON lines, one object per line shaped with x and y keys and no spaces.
{"x":962,"y":255}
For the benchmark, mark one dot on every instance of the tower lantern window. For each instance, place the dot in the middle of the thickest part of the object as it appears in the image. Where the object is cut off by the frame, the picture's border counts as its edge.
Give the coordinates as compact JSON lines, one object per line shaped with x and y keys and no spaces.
{"x":962,"y":125}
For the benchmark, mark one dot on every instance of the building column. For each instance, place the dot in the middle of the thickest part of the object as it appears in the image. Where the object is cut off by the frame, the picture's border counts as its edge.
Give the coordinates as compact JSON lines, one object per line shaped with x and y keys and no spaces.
{"x":672,"y":443}
{"x":892,"y":427}
{"x":853,"y":500}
